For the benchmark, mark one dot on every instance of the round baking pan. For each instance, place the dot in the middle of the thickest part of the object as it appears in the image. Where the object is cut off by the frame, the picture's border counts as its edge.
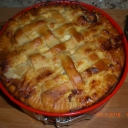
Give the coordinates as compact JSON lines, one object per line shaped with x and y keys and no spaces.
{"x":85,"y":111}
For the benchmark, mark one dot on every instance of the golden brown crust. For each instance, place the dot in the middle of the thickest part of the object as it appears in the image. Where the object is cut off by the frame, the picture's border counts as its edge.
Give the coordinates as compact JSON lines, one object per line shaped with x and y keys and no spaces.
{"x":60,"y":58}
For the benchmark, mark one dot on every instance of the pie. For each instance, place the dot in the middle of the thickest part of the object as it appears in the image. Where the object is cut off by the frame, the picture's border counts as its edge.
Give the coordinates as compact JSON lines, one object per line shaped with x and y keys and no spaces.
{"x":60,"y":58}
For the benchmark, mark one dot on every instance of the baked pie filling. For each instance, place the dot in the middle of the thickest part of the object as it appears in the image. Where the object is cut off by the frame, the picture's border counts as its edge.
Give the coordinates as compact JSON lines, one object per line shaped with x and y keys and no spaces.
{"x":60,"y":58}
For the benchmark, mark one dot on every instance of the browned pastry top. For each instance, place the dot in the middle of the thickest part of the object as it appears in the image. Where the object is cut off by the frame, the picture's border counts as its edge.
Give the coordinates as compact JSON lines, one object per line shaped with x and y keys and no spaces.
{"x":60,"y":58}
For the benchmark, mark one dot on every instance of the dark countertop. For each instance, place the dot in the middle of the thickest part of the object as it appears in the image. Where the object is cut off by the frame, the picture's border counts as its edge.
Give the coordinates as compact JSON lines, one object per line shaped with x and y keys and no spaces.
{"x":108,"y":4}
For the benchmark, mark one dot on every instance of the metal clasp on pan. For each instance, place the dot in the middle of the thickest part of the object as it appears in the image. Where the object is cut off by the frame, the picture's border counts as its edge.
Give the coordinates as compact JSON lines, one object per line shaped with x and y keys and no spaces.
{"x":71,"y":120}
{"x":62,"y":121}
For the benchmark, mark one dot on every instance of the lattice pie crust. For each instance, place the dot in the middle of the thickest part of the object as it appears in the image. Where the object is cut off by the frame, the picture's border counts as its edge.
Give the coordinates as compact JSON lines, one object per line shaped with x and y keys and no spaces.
{"x":60,"y":58}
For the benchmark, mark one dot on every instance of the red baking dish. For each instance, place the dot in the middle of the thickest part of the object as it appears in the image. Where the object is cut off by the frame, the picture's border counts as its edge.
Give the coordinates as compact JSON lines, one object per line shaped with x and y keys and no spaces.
{"x":79,"y":114}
